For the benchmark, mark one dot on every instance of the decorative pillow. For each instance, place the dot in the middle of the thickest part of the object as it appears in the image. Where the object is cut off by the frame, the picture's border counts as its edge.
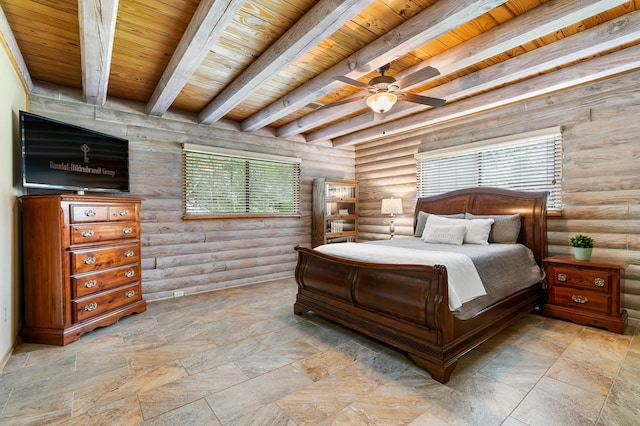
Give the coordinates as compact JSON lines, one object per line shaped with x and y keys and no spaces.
{"x":477,"y":229}
{"x":445,"y":234}
{"x":505,"y":229}
{"x":422,"y":221}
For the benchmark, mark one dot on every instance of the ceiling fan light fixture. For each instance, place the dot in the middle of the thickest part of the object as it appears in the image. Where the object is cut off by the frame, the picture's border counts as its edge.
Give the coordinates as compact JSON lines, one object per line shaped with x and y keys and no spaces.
{"x":381,"y":102}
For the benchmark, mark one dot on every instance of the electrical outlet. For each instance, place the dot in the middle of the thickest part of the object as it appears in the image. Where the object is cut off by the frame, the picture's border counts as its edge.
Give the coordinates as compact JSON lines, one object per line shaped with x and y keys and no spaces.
{"x":178,"y":293}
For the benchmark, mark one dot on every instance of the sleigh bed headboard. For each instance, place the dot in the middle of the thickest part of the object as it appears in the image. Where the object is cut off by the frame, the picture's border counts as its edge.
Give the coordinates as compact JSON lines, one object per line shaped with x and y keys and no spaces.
{"x":532,"y":207}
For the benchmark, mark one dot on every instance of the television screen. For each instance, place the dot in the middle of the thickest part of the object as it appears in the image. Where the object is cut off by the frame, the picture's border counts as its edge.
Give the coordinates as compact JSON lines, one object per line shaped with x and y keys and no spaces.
{"x":56,"y":155}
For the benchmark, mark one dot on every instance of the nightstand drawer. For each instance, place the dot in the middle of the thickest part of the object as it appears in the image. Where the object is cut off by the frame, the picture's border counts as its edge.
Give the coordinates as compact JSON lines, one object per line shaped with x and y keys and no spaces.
{"x":586,"y":300}
{"x":583,"y":278}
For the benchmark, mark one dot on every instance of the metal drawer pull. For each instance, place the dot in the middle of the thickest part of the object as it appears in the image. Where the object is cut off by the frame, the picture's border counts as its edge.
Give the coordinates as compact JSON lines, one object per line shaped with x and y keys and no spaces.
{"x":91,"y":283}
{"x":599,"y":282}
{"x":87,"y":233}
{"x":123,"y":212}
{"x":130,"y":293}
{"x":89,"y":260}
{"x":91,"y":306}
{"x":562,"y":277}
{"x":129,"y":273}
{"x":128,"y":253}
{"x":90,"y":213}
{"x":127,"y":230}
{"x":579,"y":299}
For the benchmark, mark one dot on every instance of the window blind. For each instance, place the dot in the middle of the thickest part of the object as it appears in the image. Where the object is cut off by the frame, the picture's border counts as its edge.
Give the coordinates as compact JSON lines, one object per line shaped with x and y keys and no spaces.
{"x":219,"y":182}
{"x":525,"y":162}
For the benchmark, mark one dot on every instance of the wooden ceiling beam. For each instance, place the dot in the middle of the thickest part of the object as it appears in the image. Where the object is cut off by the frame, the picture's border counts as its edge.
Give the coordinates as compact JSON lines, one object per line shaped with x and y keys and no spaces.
{"x":208,"y":23}
{"x":97,"y":20}
{"x":320,"y":22}
{"x":431,"y":23}
{"x":543,"y":20}
{"x":620,"y":62}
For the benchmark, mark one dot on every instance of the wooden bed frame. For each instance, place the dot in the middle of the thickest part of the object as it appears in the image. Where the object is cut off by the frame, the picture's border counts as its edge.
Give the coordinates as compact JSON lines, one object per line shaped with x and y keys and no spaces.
{"x":406,"y":306}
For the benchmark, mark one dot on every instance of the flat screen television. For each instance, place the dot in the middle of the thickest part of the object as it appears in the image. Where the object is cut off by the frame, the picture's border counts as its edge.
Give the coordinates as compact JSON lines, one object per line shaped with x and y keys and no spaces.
{"x":62,"y":156}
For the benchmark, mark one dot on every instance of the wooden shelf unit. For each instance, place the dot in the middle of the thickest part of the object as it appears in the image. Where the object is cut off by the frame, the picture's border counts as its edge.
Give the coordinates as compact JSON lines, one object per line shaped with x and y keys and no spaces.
{"x":81,"y":258}
{"x":335,"y":211}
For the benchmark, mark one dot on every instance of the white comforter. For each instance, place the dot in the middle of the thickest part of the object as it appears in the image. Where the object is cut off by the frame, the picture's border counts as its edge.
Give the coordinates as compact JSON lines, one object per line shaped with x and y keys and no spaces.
{"x":464,"y":281}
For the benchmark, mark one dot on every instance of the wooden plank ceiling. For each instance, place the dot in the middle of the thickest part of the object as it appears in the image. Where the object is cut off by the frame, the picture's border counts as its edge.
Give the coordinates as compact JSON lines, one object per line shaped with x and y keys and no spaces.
{"x":270,"y":64}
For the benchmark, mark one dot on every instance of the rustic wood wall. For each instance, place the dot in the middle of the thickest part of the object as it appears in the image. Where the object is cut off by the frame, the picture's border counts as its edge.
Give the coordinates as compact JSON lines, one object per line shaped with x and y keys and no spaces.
{"x":197,"y":255}
{"x":601,"y":169}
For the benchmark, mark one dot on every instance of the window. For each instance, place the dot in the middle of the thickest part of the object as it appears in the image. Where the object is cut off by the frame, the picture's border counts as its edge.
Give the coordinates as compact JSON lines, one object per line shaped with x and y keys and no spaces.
{"x":526,"y":162}
{"x":227,"y":183}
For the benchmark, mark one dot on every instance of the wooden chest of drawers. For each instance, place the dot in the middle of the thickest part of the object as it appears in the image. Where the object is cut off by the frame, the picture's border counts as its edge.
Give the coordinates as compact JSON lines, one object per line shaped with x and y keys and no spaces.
{"x":81,"y":257}
{"x":585,"y":292}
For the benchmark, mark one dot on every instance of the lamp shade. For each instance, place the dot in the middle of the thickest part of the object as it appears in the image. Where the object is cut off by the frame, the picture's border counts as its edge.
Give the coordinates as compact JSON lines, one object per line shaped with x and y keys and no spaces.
{"x":391,"y":205}
{"x":381,"y":102}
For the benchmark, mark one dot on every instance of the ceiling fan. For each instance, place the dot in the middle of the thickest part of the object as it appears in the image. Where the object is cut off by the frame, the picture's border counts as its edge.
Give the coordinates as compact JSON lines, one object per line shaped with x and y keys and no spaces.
{"x":384,"y":90}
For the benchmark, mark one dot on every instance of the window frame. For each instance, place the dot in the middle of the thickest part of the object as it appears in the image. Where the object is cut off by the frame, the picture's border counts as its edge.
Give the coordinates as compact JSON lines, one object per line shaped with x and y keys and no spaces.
{"x":494,"y":147}
{"x":248,"y":158}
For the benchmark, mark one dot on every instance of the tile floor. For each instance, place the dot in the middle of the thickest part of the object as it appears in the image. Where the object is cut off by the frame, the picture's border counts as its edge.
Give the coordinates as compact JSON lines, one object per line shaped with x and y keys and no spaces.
{"x":241,"y":357}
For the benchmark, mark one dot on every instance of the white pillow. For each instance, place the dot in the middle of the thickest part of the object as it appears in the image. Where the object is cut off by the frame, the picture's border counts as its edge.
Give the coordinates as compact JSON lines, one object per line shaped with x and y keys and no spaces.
{"x":445,"y":234}
{"x":477,"y":229}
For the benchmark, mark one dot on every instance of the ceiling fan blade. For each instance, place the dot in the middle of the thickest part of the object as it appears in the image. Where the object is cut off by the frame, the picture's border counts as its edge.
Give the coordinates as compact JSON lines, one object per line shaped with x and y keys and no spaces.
{"x":343,"y":101}
{"x":350,"y":81}
{"x":425,"y":100}
{"x":418,"y":77}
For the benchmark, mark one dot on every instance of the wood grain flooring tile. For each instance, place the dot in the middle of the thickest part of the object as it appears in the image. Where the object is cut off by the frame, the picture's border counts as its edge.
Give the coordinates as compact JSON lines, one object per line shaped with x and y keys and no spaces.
{"x":240,"y":356}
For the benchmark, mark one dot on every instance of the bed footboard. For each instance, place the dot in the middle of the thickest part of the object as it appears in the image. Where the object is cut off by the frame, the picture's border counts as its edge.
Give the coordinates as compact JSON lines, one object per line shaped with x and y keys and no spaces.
{"x":405,"y":306}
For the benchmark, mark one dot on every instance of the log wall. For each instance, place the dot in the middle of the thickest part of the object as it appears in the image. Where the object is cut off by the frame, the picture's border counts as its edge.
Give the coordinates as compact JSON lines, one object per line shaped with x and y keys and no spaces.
{"x":197,"y":255}
{"x":601,"y":169}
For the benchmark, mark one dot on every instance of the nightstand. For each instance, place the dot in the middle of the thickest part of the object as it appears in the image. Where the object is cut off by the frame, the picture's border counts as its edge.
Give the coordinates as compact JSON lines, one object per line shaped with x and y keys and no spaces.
{"x":584,"y":292}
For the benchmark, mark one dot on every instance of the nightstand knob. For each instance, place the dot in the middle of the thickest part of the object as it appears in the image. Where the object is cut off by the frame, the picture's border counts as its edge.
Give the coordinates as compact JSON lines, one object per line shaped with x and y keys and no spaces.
{"x":128,"y":253}
{"x":579,"y":299}
{"x":89,"y":260}
{"x":91,"y":307}
{"x":562,"y":277}
{"x":599,"y":282}
{"x":87,"y":234}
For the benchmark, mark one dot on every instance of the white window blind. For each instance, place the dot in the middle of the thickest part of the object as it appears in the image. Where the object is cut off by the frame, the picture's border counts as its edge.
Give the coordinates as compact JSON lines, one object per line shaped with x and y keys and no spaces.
{"x":220,"y":182}
{"x":526,"y":162}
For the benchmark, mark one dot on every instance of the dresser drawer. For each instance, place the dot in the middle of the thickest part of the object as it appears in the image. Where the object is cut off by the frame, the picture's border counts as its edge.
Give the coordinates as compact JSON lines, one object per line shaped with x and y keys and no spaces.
{"x":580,"y":299}
{"x":122,"y":212}
{"x":82,"y":213}
{"x":89,"y":213}
{"x":588,"y":279}
{"x":103,"y":258}
{"x":105,"y":301}
{"x":84,"y":234}
{"x":86,"y":284}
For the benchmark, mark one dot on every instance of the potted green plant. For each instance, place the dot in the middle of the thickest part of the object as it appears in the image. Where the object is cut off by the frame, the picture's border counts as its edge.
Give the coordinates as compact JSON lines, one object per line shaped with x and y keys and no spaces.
{"x":582,"y":246}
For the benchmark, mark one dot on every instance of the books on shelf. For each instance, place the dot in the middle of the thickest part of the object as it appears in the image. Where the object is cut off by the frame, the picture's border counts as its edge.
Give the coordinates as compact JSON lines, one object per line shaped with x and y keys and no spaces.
{"x":340,"y":226}
{"x":341,"y":191}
